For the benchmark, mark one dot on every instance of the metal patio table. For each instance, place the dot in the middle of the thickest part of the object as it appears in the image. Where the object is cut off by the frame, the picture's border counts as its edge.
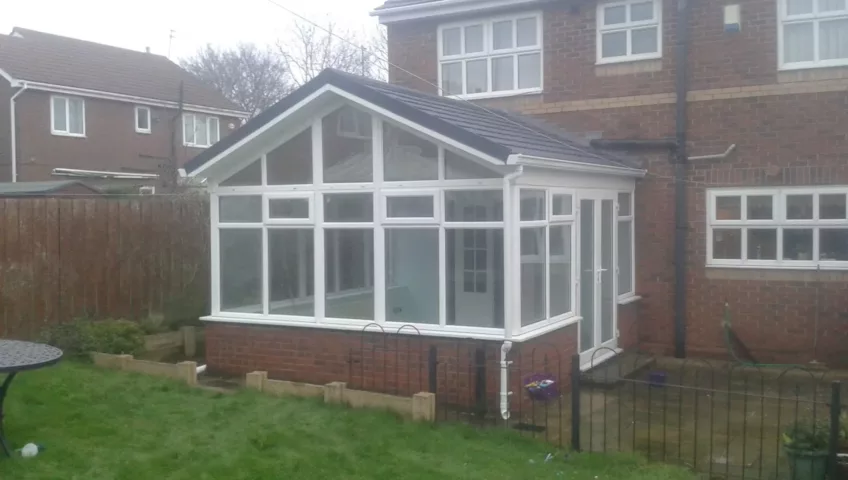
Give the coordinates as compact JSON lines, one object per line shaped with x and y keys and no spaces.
{"x":17,"y":356}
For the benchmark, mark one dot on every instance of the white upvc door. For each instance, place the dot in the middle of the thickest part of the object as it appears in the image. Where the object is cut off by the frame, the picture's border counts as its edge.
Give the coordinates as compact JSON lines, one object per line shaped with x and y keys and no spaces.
{"x":597,"y":302}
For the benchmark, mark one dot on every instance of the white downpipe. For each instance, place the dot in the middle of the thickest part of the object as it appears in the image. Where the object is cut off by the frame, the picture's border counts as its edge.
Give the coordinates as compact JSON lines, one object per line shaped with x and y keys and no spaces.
{"x":505,"y":393}
{"x":201,"y":369}
{"x":14,"y":137}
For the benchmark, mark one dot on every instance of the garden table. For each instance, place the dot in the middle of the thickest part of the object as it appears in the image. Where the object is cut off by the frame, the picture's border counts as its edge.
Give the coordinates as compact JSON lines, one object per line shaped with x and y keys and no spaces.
{"x":17,"y":356}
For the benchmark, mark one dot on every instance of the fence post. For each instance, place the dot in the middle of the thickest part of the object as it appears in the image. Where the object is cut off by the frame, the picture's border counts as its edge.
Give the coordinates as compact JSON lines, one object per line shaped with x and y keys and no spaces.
{"x":575,"y":402}
{"x":432,"y":369}
{"x":835,"y":413}
{"x":189,"y":341}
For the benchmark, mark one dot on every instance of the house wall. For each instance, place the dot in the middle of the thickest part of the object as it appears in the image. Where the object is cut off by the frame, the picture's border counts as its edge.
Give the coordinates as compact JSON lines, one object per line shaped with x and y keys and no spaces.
{"x":111,"y":142}
{"x":788,"y":128}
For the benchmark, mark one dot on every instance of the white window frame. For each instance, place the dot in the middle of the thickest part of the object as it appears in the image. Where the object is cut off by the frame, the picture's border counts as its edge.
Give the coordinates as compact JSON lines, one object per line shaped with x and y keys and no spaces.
{"x":400,"y":193}
{"x":783,"y":18}
{"x":627,"y":27}
{"x":266,"y":209}
{"x":779,"y":223}
{"x":136,"y":111}
{"x":209,"y":129}
{"x":631,"y":218}
{"x":67,"y":131}
{"x":488,"y":53}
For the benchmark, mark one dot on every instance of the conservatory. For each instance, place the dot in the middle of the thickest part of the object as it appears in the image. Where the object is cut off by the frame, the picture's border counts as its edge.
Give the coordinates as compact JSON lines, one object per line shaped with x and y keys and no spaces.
{"x":353,"y":202}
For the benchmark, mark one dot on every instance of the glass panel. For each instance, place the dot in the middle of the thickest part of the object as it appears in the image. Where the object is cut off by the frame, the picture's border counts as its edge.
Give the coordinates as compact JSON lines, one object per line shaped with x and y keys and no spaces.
{"x":608,"y":301}
{"x":474,"y":270}
{"x":410,"y":207}
{"x":60,"y":114}
{"x":762,"y":244}
{"x":728,"y":208}
{"x":587,"y":274}
{"x":240,"y":209}
{"x":291,"y":162}
{"x":527,"y":35}
{"x":798,"y":42}
{"x":640,"y":12}
{"x":799,"y":7}
{"x":532,"y":205}
{"x":503,"y":74}
{"x":727,"y":244}
{"x":201,"y":131}
{"x":451,"y":41}
{"x":412,"y":275}
{"x":249,"y":176}
{"x":760,"y":207}
{"x":474,"y":39}
{"x":625,"y":257}
{"x":560,"y":269}
{"x":288,"y":208}
{"x":407,"y":156}
{"x":452,"y":78}
{"x":833,"y":39}
{"x":241,"y":270}
{"x":533,"y":285}
{"x":477,"y":76}
{"x":832,"y":206}
{"x":291,"y":272}
{"x":502,"y":35}
{"x":614,"y":15}
{"x":347,"y":146}
{"x":142,"y":118}
{"x":831,"y":5}
{"x":624,"y":207}
{"x":76,"y":116}
{"x":459,"y":168}
{"x":799,"y":207}
{"x":214,"y":130}
{"x":530,"y":71}
{"x":349,"y":273}
{"x":644,"y":40}
{"x":798,"y":244}
{"x":833,"y":244}
{"x":562,"y":204}
{"x":188,"y":129}
{"x":474,"y":206}
{"x":348,"y":207}
{"x":613,"y":44}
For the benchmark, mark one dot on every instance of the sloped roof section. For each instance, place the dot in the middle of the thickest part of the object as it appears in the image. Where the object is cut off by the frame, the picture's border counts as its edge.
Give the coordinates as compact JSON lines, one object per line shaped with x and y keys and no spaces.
{"x":34,"y":56}
{"x":493,"y":132}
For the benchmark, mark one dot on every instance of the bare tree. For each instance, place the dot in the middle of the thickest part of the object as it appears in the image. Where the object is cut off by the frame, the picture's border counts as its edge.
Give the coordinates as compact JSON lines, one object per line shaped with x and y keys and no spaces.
{"x":311,"y":48}
{"x":251,"y":77}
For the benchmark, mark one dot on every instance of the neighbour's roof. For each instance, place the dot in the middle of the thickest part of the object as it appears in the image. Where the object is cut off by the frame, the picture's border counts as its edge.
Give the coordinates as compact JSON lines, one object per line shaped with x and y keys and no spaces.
{"x":34,"y":56}
{"x":402,"y":3}
{"x":493,"y":132}
{"x":40,"y":188}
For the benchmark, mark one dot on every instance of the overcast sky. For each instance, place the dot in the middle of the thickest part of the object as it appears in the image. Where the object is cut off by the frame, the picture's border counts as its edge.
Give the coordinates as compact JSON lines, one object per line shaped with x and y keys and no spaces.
{"x":138,"y":25}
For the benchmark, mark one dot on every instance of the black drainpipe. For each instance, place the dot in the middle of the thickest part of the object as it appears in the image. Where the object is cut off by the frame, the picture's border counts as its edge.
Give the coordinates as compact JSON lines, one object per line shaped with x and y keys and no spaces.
{"x":680,"y":160}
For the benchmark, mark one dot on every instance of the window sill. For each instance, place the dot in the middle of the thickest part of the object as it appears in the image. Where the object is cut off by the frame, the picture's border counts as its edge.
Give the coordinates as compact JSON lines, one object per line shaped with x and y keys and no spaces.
{"x":811,"y":66}
{"x":192,"y":145}
{"x":632,"y":59}
{"x":542,"y":328}
{"x":628,"y":299}
{"x":505,"y":94}
{"x":776,"y":274}
{"x":144,"y":132}
{"x":628,"y":68}
{"x":65,"y":134}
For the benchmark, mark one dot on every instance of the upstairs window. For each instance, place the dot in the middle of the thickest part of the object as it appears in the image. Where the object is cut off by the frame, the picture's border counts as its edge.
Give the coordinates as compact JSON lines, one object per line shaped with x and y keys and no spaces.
{"x":142,"y":119}
{"x":67,"y":116}
{"x":813,"y":33}
{"x":200,"y":130}
{"x":629,"y":30}
{"x":493,"y":57}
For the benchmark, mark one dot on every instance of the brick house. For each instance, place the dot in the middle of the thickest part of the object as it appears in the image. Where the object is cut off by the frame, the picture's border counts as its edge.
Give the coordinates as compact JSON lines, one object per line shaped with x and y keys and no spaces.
{"x":94,"y":111}
{"x":732,"y":114}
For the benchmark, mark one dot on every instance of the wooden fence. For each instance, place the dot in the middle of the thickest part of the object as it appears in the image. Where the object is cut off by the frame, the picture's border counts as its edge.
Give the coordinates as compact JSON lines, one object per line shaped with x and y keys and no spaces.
{"x":102,"y":257}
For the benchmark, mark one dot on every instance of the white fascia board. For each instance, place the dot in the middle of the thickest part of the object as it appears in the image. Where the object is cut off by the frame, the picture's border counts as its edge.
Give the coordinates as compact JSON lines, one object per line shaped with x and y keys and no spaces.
{"x":444,"y":8}
{"x":84,"y":92}
{"x":565,"y":165}
{"x":12,"y":82}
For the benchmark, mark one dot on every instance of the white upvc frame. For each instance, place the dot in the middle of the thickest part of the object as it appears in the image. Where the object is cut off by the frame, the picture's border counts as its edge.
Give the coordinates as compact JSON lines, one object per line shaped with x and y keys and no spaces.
{"x":209,"y":129}
{"x":266,"y":208}
{"x":139,"y":109}
{"x":631,"y":218}
{"x":779,"y":223}
{"x":433,"y":194}
{"x":488,"y":53}
{"x":628,"y":27}
{"x":67,"y":131}
{"x":816,"y":17}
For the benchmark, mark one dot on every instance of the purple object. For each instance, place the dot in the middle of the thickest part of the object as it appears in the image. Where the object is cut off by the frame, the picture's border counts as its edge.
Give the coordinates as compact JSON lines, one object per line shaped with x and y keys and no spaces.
{"x":657,"y":378}
{"x":541,"y":387}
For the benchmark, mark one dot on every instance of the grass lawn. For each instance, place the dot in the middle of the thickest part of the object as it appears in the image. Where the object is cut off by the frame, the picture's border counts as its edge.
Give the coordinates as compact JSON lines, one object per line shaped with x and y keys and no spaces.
{"x":99,"y":424}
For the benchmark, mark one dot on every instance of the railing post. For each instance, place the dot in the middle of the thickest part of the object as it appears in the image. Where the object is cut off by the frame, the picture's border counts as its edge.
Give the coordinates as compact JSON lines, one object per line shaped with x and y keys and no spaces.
{"x":835,"y":413}
{"x":575,"y":402}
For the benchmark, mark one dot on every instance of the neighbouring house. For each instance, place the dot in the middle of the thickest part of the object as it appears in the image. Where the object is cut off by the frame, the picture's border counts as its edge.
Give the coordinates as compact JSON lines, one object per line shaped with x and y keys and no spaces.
{"x":649,"y":163}
{"x":73,"y":108}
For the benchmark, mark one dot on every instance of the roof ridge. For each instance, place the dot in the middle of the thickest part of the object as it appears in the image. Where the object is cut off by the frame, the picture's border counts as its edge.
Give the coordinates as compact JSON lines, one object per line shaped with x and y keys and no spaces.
{"x":23,"y":31}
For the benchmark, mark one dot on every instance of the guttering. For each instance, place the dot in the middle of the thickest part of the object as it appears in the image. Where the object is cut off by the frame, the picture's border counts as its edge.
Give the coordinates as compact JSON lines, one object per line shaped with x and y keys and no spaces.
{"x":74,"y":172}
{"x":12,"y":122}
{"x":120,"y":97}
{"x":441,"y":8}
{"x":569,"y":166}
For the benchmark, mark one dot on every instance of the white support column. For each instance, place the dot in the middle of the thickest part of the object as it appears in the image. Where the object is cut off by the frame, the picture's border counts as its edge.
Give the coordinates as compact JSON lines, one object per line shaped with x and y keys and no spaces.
{"x":318,"y":207}
{"x":379,"y":231}
{"x":265,"y":261}
{"x":512,"y":284}
{"x":215,"y":252}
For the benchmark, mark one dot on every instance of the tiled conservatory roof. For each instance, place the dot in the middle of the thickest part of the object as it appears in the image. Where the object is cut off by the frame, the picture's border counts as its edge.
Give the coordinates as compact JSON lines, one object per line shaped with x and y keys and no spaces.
{"x":496,"y":133}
